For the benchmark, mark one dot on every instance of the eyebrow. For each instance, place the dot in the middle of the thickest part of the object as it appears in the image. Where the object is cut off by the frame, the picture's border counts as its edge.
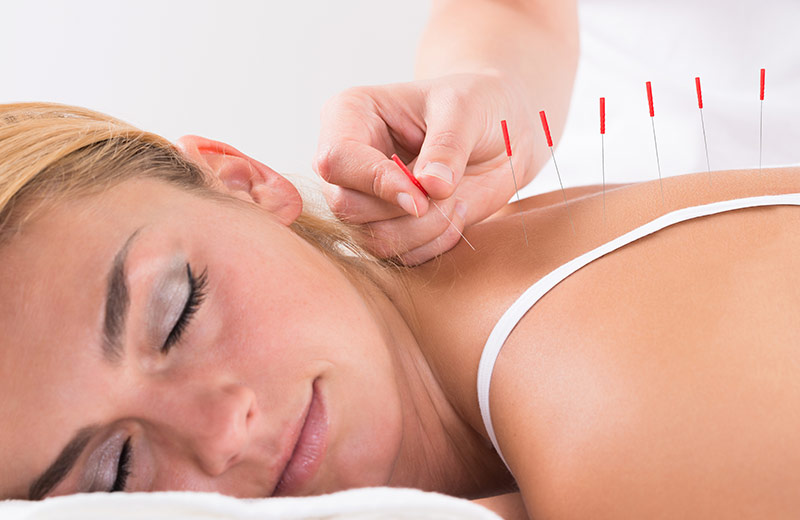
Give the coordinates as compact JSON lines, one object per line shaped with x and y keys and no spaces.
{"x":62,"y":465}
{"x":117,"y":303}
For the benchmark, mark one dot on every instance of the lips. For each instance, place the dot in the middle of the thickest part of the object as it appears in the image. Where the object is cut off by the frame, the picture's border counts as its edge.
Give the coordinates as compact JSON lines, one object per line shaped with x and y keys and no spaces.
{"x":309,"y":448}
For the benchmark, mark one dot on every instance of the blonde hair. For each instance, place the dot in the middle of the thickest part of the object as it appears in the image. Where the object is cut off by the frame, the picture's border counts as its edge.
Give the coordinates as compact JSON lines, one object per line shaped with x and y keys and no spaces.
{"x":49,"y":151}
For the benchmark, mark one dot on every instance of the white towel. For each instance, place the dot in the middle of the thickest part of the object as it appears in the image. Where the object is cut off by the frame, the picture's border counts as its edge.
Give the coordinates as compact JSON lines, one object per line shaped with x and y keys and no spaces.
{"x":361,"y":504}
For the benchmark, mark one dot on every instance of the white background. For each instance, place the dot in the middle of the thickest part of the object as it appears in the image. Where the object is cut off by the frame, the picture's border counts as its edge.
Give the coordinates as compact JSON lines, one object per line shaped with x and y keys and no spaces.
{"x":256,"y":74}
{"x":252,"y":74}
{"x":625,"y":43}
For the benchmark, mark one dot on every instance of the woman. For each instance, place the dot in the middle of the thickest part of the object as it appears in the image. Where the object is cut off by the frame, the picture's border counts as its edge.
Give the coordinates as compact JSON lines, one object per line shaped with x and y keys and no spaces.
{"x":172,"y":320}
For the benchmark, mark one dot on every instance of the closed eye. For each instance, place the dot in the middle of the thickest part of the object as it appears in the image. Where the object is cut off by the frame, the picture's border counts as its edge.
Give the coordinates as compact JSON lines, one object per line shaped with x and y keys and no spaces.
{"x":197,"y":293}
{"x":123,"y":467}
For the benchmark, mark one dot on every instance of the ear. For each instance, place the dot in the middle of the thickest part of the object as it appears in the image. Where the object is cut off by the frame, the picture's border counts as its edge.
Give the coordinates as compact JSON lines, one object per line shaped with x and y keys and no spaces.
{"x":244,"y":177}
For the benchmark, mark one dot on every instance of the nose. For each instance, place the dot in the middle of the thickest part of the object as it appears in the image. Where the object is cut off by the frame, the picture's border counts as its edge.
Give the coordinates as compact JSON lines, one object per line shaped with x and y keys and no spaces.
{"x":214,"y":424}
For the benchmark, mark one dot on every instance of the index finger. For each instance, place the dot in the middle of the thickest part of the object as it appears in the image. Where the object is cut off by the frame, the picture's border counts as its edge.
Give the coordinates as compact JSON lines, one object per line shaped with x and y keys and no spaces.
{"x":355,"y":144}
{"x":361,"y":167}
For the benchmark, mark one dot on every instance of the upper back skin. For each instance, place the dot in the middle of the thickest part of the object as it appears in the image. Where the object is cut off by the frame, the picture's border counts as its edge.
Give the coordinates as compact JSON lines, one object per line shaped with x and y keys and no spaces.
{"x":662,"y":379}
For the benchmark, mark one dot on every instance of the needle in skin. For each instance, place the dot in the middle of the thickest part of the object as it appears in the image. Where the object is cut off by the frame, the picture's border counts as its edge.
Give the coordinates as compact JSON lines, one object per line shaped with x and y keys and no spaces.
{"x":655,"y":141}
{"x":410,"y":175}
{"x":504,"y":125}
{"x":546,"y":128}
{"x":603,"y":152}
{"x":761,"y":121}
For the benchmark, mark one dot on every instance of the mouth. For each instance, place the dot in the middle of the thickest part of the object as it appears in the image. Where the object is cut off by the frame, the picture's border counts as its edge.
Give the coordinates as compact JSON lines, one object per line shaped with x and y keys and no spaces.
{"x":309,"y":448}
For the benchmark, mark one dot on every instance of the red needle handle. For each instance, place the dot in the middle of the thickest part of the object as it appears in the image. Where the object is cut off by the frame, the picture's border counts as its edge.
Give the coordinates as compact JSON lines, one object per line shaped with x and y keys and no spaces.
{"x":699,"y":93}
{"x":408,"y":173}
{"x":505,"y":137}
{"x":546,"y":128}
{"x":602,"y":115}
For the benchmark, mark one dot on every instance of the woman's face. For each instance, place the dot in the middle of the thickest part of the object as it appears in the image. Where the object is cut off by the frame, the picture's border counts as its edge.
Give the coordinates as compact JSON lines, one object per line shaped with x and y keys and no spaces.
{"x":113,"y":355}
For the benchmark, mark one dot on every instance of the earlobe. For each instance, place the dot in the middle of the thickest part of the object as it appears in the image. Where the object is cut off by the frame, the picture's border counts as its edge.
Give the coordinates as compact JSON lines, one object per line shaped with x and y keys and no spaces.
{"x":244,"y":177}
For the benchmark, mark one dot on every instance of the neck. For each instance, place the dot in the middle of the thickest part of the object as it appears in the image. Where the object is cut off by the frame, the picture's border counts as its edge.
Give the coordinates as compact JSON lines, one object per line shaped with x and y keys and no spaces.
{"x":440,"y":451}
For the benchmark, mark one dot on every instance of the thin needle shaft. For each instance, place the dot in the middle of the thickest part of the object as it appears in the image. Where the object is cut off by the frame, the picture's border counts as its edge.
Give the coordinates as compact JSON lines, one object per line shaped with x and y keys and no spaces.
{"x":563,"y":193}
{"x":546,"y":129}
{"x":603,"y":167}
{"x":655,"y":141}
{"x":603,"y":152}
{"x":413,"y":179}
{"x":760,"y":135}
{"x":761,"y":120}
{"x":658,"y":162}
{"x":705,"y":143}
{"x":451,"y":223}
{"x":703,"y":123}
{"x":507,"y":140}
{"x":521,"y":216}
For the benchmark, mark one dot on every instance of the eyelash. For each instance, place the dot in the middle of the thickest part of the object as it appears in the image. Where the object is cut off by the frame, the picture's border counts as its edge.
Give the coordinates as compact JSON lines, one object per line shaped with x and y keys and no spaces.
{"x":197,"y":293}
{"x":123,"y":467}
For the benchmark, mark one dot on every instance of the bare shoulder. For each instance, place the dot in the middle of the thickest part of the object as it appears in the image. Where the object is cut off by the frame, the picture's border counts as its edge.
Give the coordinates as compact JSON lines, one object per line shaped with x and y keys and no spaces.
{"x":662,"y":380}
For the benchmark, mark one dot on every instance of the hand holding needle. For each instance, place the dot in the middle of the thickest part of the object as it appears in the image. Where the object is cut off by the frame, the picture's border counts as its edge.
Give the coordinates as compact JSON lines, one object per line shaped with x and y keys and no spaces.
{"x":410,"y":175}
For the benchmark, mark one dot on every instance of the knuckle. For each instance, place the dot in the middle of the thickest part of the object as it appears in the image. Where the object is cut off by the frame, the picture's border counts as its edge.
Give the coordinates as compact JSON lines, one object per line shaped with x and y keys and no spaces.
{"x":449,"y":94}
{"x":350,"y":98}
{"x":322,"y":163}
{"x":325,"y":161}
{"x":449,"y":140}
{"x":338,"y":202}
{"x":379,"y":182}
{"x":454,"y":98}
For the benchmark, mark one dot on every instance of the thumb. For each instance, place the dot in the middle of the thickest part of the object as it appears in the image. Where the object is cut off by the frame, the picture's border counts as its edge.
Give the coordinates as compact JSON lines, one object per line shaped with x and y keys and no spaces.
{"x":444,"y":154}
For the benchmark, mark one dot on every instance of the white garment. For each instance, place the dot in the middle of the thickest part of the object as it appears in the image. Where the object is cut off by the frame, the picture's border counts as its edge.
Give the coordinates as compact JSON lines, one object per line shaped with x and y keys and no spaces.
{"x":625,"y":43}
{"x":519,"y":308}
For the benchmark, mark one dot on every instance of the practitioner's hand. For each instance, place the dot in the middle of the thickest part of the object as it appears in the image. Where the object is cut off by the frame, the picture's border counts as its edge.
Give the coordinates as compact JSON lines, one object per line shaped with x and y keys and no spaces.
{"x":448,"y":131}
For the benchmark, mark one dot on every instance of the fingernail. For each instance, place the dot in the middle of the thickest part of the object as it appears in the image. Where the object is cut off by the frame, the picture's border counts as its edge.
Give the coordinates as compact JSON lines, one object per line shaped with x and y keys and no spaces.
{"x":438,"y":170}
{"x":461,"y":209}
{"x":406,"y":202}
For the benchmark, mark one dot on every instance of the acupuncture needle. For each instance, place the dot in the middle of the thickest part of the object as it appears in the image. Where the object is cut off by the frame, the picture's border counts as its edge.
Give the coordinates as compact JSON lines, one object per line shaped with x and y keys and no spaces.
{"x":410,"y":175}
{"x":603,"y":152}
{"x":703,"y":123}
{"x":761,"y":121}
{"x":655,"y":141}
{"x":504,"y":125}
{"x":546,"y":128}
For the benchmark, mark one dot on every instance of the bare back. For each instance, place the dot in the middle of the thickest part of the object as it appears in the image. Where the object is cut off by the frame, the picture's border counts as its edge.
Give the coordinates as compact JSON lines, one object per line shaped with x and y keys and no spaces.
{"x":663,"y":373}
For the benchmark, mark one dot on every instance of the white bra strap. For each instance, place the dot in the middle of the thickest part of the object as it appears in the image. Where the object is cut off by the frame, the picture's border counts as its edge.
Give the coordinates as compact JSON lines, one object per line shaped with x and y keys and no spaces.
{"x":518,"y":309}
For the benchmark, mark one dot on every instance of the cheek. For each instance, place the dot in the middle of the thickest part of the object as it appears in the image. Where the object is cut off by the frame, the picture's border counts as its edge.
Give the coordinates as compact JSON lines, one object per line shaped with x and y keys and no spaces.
{"x":278,"y":316}
{"x":366,"y":429}
{"x":285,"y":325}
{"x":287,"y":308}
